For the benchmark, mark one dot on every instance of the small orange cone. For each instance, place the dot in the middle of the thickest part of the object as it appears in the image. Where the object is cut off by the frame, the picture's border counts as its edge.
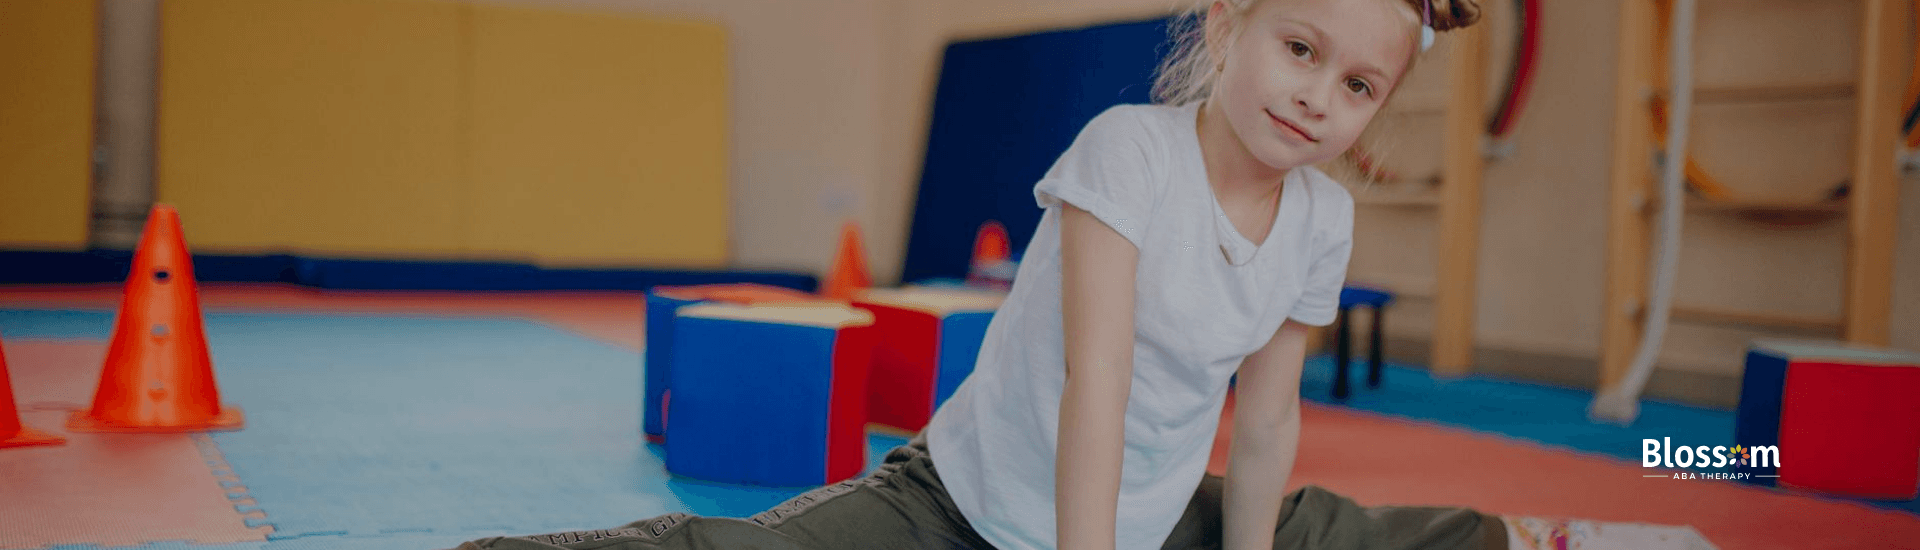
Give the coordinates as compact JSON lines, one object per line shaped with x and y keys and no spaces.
{"x":158,"y":375}
{"x":991,"y":246}
{"x":992,"y":265}
{"x":12,"y":433}
{"x":849,"y":273}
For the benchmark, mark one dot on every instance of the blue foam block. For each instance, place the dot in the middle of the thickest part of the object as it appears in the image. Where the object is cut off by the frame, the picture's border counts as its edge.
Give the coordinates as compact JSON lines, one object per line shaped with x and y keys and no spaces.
{"x":755,"y":413}
{"x":659,"y":367}
{"x":1763,"y":389}
{"x":961,"y":335}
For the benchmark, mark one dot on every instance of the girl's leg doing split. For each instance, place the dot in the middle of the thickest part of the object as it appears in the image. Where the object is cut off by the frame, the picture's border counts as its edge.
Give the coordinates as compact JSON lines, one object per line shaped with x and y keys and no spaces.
{"x":1317,"y":519}
{"x":901,"y":505}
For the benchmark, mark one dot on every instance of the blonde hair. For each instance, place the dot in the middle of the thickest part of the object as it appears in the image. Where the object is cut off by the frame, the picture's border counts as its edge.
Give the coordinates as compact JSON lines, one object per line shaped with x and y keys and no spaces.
{"x":1187,"y":73}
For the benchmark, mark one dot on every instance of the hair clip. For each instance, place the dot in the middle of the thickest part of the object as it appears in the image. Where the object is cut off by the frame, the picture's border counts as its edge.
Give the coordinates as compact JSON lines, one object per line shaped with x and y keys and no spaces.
{"x":1426,"y":26}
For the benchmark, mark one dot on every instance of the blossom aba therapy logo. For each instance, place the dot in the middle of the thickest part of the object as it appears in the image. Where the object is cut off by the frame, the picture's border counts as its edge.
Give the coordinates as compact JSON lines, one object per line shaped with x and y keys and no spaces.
{"x":1661,"y":453}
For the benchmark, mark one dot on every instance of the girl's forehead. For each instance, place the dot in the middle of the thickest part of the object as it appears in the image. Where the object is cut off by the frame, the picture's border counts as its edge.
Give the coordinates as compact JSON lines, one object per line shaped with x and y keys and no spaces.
{"x":1373,"y":12}
{"x":1377,"y":32}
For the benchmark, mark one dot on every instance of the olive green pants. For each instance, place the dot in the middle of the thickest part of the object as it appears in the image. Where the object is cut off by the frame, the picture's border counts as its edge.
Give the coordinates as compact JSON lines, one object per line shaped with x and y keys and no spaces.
{"x":903,"y":505}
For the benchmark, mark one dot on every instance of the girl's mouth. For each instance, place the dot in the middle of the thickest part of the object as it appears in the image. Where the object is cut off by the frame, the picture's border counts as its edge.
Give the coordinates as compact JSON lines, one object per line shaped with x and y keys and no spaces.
{"x":1292,"y":128}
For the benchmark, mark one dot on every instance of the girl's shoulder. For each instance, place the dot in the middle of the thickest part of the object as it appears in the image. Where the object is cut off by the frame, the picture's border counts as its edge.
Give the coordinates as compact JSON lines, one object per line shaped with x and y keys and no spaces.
{"x":1156,"y":128}
{"x":1152,"y":119}
{"x":1325,"y":190}
{"x":1330,"y":203}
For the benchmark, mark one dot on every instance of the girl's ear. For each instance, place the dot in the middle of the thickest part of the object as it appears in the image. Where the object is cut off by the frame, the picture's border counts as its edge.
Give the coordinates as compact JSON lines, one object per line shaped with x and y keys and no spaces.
{"x":1219,"y":30}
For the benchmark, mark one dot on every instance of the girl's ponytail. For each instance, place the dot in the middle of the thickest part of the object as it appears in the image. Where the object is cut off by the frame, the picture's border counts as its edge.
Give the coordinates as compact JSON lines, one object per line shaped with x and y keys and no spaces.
{"x":1448,"y":14}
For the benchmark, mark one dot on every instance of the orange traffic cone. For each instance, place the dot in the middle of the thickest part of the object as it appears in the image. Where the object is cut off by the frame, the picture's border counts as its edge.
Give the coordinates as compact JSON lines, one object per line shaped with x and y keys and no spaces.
{"x":992,"y":265}
{"x":990,"y":246}
{"x":12,"y":433}
{"x":158,"y":376}
{"x":849,"y":273}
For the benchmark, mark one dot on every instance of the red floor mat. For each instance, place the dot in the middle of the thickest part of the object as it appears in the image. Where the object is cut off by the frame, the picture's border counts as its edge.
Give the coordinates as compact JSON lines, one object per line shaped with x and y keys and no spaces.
{"x":103,"y":489}
{"x":1379,"y":460}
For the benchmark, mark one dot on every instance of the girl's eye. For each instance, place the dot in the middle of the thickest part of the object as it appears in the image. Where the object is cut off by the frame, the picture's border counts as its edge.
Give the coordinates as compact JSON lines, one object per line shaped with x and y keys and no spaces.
{"x":1359,"y":86}
{"x":1299,"y":49}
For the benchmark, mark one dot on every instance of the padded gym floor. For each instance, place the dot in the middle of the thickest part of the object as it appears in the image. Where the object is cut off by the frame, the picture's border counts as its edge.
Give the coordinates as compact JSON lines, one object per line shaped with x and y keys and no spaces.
{"x":418,"y":420}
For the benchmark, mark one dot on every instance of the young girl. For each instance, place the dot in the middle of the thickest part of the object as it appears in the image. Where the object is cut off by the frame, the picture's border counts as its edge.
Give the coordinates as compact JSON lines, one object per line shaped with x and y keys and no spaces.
{"x":1182,"y":243}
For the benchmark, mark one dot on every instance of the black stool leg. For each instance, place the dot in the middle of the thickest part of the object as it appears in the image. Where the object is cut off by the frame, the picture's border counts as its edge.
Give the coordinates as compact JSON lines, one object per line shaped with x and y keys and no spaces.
{"x":1374,"y":349}
{"x":1343,"y":354}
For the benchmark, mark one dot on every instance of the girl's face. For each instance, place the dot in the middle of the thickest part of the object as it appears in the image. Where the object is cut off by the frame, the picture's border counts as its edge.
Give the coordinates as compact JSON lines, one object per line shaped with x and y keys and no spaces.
{"x":1302,"y":78}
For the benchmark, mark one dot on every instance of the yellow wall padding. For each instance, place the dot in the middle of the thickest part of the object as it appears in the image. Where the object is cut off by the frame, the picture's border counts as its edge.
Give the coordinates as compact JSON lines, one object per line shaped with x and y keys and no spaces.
{"x":330,"y":126}
{"x":599,"y":138}
{"x":47,"y":50}
{"x":430,"y":128}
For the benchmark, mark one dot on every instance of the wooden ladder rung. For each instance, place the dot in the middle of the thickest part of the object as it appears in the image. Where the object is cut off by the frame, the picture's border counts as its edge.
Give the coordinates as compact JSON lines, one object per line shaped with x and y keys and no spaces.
{"x":1700,"y":204}
{"x":1773,"y":93}
{"x":1762,"y":320}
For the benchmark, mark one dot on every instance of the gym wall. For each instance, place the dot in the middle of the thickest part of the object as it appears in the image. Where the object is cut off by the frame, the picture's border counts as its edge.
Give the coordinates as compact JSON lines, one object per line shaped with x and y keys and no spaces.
{"x":1544,"y":217}
{"x":429,"y":129}
{"x":46,"y":122}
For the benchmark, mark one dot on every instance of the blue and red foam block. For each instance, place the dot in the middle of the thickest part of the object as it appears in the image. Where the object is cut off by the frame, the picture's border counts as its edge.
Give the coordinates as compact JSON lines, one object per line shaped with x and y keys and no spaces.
{"x":769,"y":394}
{"x":662,"y":303}
{"x":1844,"y":417}
{"x":928,"y":341}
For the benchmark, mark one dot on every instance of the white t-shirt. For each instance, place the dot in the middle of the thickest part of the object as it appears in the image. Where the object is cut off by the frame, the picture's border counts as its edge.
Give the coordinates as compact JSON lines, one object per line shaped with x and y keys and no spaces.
{"x":1206,"y":298}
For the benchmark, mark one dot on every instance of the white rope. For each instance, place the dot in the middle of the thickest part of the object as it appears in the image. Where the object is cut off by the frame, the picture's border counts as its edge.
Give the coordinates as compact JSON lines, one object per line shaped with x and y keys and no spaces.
{"x":1621,"y":403}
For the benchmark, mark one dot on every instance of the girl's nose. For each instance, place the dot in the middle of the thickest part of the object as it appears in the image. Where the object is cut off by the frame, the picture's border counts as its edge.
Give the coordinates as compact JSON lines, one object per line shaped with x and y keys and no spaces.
{"x":1312,"y":99}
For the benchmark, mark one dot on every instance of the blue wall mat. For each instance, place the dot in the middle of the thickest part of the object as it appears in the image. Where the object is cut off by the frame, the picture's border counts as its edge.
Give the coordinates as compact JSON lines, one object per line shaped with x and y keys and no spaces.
{"x":107,"y":266}
{"x":1003,"y":111}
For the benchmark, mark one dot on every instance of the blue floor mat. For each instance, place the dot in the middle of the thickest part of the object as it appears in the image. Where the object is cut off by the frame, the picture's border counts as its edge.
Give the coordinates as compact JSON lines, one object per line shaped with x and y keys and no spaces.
{"x":386,"y":432}
{"x":46,"y":323}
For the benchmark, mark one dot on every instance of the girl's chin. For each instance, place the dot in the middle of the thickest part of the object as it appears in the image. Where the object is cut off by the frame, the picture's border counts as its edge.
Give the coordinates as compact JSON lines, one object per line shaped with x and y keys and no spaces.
{"x":1288,"y":160}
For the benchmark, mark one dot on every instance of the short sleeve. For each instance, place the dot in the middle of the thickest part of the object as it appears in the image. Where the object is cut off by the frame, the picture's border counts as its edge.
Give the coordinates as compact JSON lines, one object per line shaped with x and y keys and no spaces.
{"x":1319,"y":299}
{"x":1108,"y":172}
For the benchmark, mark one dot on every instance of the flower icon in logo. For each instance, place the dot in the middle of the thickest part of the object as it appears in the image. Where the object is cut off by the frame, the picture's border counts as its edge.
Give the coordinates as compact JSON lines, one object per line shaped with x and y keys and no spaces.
{"x":1738,"y":454}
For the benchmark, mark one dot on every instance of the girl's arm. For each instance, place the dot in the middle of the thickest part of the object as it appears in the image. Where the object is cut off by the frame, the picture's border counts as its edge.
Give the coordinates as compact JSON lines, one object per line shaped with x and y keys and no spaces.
{"x":1266,"y":432}
{"x":1096,"y":301}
